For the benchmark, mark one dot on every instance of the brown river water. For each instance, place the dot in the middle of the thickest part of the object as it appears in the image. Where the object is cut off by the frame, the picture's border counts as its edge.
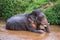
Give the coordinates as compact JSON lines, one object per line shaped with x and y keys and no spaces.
{"x":25,"y":35}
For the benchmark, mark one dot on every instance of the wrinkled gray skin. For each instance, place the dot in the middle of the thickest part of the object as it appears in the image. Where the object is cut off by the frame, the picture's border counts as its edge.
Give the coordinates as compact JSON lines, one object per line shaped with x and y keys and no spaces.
{"x":41,"y":20}
{"x":21,"y":22}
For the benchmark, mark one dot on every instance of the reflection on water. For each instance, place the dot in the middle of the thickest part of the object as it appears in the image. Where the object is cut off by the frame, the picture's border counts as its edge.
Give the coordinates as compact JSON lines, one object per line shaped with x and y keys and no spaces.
{"x":24,"y":35}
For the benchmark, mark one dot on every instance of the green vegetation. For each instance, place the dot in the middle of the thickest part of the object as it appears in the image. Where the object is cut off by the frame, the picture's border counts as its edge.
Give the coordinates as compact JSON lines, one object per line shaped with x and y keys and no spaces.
{"x":13,"y":7}
{"x":53,"y":13}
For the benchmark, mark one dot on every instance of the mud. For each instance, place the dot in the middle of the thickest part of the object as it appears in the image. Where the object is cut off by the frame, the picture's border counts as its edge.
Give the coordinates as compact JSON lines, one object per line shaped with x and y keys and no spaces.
{"x":25,"y":35}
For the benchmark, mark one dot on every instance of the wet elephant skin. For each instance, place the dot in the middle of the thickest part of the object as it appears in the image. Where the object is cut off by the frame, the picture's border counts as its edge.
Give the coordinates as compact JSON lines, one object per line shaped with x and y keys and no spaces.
{"x":22,"y":22}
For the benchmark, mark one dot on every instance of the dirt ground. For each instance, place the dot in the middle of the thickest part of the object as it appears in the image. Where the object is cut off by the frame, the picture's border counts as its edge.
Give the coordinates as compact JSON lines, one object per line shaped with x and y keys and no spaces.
{"x":25,"y":35}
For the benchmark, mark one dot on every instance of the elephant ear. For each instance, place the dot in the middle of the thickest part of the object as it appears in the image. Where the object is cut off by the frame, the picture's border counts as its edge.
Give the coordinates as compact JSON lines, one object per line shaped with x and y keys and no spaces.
{"x":32,"y":18}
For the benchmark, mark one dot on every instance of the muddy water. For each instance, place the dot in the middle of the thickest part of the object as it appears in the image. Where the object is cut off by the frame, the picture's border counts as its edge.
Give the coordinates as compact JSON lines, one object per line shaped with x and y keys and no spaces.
{"x":25,"y":35}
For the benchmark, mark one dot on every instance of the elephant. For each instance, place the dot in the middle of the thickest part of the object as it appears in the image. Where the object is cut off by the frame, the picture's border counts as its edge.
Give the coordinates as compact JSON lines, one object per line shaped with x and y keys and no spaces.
{"x":26,"y":21}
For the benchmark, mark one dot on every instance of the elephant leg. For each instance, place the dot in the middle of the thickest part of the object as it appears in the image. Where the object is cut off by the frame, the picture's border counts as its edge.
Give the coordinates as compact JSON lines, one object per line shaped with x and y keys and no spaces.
{"x":32,"y":29}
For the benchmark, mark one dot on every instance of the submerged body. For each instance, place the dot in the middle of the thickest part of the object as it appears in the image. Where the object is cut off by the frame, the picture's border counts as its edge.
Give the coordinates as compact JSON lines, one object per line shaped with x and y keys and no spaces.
{"x":25,"y":21}
{"x":16,"y":21}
